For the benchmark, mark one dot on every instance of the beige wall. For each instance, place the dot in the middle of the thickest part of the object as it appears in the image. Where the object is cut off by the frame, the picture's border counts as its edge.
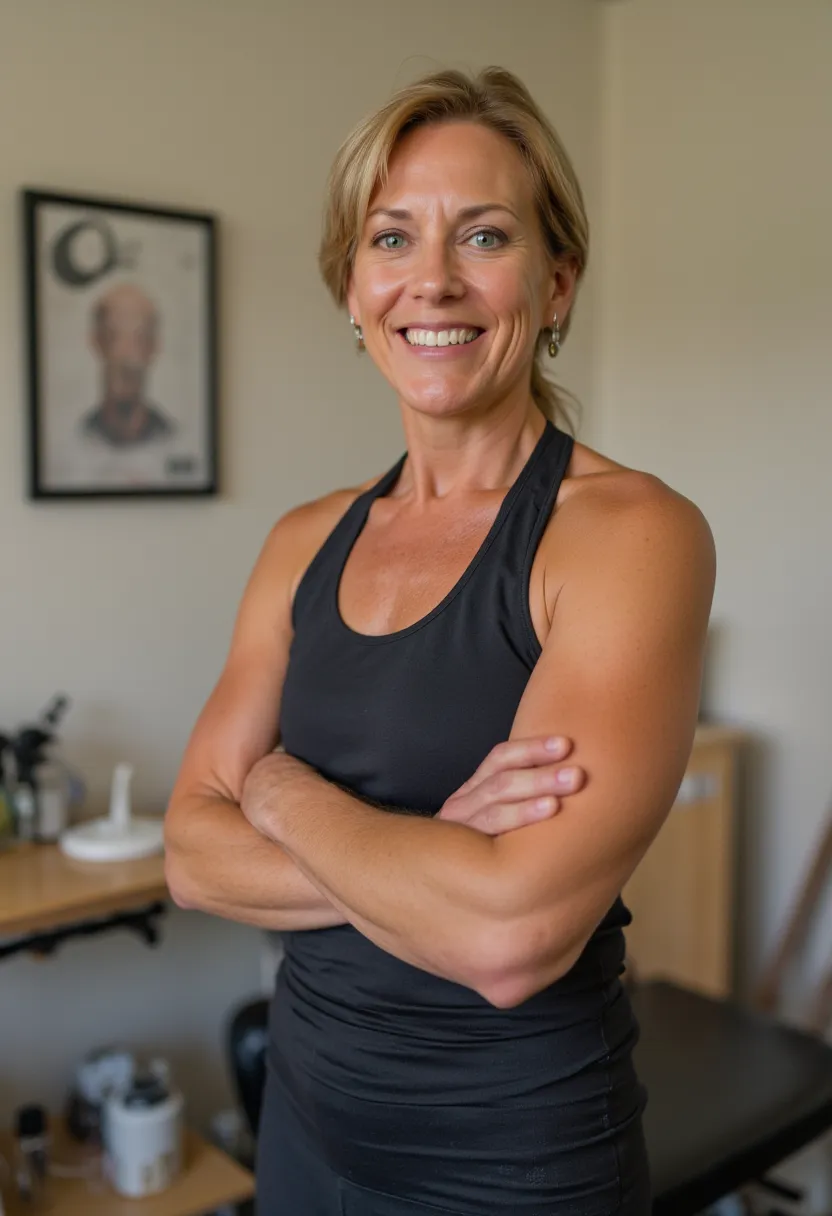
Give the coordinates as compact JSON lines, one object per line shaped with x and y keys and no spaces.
{"x":716,"y":306}
{"x":716,"y":303}
{"x":235,"y":108}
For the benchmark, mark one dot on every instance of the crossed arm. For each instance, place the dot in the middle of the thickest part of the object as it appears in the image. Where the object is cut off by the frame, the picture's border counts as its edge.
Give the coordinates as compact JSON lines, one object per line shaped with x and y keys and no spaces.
{"x":620,"y":673}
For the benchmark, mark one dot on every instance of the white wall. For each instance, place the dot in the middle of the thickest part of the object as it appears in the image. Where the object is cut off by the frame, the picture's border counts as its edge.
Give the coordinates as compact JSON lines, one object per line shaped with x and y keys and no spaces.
{"x":236,"y":108}
{"x":716,"y":302}
{"x":716,"y":306}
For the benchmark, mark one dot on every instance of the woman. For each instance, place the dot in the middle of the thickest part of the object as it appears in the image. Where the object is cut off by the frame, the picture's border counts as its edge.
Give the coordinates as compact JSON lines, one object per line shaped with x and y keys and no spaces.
{"x":449,"y":1032}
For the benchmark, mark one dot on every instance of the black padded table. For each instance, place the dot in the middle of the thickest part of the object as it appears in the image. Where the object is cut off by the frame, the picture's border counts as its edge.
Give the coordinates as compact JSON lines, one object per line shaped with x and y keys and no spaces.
{"x":730,"y":1094}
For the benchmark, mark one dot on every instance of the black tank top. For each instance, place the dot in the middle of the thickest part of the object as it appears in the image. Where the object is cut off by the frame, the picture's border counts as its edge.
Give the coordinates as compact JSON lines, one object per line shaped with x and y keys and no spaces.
{"x":404,"y":719}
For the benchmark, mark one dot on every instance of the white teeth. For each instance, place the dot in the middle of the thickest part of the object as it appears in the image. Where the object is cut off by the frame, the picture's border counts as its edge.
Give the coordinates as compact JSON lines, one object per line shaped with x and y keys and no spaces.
{"x":442,"y":337}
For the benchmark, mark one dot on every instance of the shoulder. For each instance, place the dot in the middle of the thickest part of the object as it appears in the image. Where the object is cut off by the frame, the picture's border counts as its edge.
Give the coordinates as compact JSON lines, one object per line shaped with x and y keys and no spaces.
{"x":611,"y":520}
{"x":297,"y":536}
{"x":159,"y":424}
{"x":90,"y":422}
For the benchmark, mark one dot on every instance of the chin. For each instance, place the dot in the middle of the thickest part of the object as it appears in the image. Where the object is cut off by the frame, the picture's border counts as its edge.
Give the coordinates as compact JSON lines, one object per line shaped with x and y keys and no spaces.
{"x":438,"y":399}
{"x":439,"y":407}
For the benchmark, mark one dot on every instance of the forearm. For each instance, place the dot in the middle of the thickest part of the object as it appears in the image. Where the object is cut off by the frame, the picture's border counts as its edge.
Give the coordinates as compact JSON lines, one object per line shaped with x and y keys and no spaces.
{"x":419,"y":887}
{"x":216,"y":862}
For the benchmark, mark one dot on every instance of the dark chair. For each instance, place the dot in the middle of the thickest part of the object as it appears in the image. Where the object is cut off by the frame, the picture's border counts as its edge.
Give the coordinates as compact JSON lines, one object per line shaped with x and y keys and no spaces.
{"x":731,"y":1092}
{"x":246,"y":1042}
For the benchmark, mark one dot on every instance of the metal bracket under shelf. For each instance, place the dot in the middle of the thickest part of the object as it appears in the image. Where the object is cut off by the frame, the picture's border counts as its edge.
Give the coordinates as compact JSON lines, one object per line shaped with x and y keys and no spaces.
{"x":142,"y":921}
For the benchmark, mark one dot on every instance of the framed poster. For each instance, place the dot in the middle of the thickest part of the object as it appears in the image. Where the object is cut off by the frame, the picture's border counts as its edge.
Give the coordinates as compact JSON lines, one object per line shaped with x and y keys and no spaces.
{"x":121,"y":340}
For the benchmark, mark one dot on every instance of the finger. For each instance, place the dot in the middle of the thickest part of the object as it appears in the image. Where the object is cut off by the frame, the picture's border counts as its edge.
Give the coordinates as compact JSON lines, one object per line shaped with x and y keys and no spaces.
{"x":497,"y":820}
{"x":519,"y":753}
{"x":512,"y":786}
{"x":574,"y":782}
{"x":516,"y":785}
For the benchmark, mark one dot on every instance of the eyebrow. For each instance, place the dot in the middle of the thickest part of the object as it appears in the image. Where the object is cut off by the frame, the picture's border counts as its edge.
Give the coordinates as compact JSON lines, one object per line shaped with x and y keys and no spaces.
{"x":466,"y":213}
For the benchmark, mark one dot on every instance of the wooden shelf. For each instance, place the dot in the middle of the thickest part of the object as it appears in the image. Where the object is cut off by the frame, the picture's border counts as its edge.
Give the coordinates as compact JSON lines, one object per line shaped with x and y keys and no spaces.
{"x":683,"y":894}
{"x":41,"y":888}
{"x":209,"y":1179}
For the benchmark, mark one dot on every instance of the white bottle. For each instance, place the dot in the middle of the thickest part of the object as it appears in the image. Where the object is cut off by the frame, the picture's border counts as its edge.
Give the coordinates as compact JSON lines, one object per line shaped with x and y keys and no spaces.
{"x":25,"y":810}
{"x":52,"y":800}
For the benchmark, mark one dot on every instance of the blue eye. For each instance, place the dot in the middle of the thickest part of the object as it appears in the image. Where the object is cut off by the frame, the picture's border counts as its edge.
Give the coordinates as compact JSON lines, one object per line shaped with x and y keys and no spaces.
{"x":496,"y":236}
{"x":388,"y":236}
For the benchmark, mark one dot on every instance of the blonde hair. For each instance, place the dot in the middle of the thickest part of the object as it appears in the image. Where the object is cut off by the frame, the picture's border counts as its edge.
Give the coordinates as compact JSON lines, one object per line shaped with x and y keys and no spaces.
{"x":496,"y":99}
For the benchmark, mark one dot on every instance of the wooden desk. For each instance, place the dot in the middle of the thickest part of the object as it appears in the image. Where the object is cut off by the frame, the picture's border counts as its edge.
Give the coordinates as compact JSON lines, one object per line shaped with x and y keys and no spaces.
{"x":209,"y":1179}
{"x":41,"y":888}
{"x":683,"y":895}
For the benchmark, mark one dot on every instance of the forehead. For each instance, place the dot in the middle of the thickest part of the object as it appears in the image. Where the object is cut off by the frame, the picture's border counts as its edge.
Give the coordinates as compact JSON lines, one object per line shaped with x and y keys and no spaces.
{"x":455,"y":161}
{"x":128,"y":308}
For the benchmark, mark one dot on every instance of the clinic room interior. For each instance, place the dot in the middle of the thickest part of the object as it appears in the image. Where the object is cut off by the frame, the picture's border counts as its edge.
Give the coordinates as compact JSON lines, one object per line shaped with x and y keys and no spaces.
{"x":162,"y":180}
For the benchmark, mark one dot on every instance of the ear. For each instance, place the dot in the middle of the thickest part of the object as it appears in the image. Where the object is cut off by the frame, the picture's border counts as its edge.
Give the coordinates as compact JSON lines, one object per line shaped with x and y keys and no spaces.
{"x":562,"y":285}
{"x":352,"y":301}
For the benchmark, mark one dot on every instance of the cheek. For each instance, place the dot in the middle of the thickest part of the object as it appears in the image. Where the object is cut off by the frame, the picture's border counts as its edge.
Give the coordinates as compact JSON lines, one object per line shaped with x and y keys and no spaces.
{"x":377,"y":289}
{"x":509,"y":294}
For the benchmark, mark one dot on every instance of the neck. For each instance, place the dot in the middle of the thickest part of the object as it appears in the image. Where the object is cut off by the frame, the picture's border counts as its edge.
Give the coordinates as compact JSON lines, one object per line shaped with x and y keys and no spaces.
{"x":455,"y":456}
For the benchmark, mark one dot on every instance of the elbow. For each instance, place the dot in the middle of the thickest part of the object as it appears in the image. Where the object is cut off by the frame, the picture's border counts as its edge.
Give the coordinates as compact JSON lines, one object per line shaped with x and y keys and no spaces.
{"x":515,"y":985}
{"x":517,"y":962}
{"x":176,"y":874}
{"x":177,"y":883}
{"x":505,"y":994}
{"x":499,"y":964}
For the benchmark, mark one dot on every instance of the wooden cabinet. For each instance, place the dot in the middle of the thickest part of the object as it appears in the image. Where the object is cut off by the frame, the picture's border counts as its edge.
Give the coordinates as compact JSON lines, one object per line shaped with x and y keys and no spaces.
{"x":683,"y":895}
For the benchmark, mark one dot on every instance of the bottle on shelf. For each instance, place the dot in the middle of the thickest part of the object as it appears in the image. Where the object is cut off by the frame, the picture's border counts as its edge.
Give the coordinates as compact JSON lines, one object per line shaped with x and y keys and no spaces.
{"x":7,"y":815}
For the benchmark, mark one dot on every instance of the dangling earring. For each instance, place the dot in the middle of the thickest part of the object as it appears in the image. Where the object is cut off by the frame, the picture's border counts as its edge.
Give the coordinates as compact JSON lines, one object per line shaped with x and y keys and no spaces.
{"x":359,"y":336}
{"x":554,"y":342}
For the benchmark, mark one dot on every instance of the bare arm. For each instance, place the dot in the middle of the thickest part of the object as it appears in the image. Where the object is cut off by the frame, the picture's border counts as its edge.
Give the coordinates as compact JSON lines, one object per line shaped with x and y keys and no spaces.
{"x":621,"y":672}
{"x":414,"y":886}
{"x":242,"y":876}
{"x":215,"y":860}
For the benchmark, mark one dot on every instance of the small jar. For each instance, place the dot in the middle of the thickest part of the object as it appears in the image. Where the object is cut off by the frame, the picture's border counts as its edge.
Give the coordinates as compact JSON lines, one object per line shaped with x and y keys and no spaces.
{"x":143,"y":1137}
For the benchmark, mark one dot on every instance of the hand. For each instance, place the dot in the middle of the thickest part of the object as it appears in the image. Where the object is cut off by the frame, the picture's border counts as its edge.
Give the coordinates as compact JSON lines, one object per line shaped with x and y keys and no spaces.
{"x":258,"y":801}
{"x":518,"y":783}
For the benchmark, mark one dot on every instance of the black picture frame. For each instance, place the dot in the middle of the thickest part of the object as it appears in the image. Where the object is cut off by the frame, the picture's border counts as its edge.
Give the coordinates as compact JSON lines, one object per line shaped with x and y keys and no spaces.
{"x":120,"y":298}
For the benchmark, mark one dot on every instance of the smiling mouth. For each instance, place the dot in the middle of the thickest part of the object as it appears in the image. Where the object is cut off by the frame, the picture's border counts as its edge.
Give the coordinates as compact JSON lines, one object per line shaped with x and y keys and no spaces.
{"x":443,"y":337}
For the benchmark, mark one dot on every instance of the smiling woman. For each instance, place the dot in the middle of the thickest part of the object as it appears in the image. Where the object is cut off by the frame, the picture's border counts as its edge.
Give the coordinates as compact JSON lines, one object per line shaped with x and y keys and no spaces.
{"x":529,"y":203}
{"x":449,"y":1032}
{"x":494,"y":284}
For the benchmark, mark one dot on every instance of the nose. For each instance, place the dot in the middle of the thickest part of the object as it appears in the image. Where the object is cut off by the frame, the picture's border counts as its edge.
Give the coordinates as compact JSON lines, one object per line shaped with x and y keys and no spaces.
{"x":129,"y":349}
{"x":436,"y":273}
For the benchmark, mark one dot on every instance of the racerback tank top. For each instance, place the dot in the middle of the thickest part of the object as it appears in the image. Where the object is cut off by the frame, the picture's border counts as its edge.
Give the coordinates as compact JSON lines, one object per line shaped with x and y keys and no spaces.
{"x":404,"y":719}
